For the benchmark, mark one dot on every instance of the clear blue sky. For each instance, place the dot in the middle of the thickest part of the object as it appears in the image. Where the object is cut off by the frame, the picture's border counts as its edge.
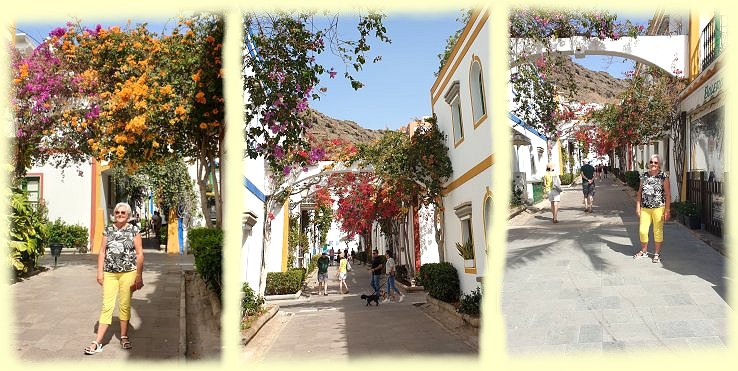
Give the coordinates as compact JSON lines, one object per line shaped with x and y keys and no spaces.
{"x":397,"y":89}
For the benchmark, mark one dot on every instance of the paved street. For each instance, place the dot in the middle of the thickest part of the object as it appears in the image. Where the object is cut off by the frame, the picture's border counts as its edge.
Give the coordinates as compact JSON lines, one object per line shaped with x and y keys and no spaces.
{"x":574,"y":286}
{"x":57,"y":310}
{"x":342,"y":327}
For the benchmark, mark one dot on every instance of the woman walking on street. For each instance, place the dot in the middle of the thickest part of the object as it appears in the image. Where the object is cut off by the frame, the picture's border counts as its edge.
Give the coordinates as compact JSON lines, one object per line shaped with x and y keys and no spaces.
{"x":652,"y":206}
{"x":391,"y":272}
{"x":343,"y":268}
{"x":552,"y":186}
{"x":119,"y":272}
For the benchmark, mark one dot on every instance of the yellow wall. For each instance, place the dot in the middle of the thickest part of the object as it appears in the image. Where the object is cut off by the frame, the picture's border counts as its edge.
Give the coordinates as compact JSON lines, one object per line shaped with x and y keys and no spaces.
{"x":172,"y":235}
{"x":694,"y":45}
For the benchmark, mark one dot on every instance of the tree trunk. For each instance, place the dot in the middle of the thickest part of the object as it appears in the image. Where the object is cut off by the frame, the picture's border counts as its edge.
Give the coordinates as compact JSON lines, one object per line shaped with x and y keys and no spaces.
{"x":202,"y":174}
{"x":217,"y":178}
{"x":265,"y":242}
{"x":439,"y":226}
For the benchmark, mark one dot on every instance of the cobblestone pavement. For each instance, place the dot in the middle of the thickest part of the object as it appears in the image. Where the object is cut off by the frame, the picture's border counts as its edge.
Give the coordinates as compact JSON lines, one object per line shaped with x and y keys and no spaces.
{"x":56,"y":311}
{"x":574,"y":286}
{"x":342,"y":327}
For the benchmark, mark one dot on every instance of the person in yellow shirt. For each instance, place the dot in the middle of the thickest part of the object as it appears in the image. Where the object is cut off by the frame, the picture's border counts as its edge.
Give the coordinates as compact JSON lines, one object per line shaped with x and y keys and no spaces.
{"x":343,"y":267}
{"x":552,"y":186}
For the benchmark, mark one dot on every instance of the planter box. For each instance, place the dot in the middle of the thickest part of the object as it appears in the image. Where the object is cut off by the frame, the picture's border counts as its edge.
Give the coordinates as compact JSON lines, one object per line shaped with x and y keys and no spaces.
{"x":468,"y":263}
{"x":693,"y":222}
{"x":450,"y":310}
{"x":283,"y":297}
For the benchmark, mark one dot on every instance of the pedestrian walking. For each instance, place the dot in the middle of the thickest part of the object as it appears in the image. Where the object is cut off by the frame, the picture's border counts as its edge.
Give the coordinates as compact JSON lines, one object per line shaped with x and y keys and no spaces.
{"x":605,"y":170}
{"x":119,"y":272}
{"x":652,"y":207}
{"x":323,"y":263}
{"x":391,"y":272}
{"x":552,"y":186}
{"x":376,"y":269}
{"x":588,"y":185}
{"x":331,"y":253}
{"x":343,"y":268}
{"x":156,"y":225}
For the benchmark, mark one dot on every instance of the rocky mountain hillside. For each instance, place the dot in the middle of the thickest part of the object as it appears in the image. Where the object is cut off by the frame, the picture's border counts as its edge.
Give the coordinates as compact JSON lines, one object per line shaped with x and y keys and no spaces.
{"x":325,"y":127}
{"x":592,"y":86}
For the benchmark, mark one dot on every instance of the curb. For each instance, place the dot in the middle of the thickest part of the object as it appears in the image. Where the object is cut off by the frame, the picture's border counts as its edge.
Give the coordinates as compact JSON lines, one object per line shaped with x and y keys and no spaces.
{"x":516,"y":211}
{"x":409,"y":288}
{"x":283,"y":297}
{"x":446,"y":307}
{"x":182,"y":316}
{"x":251,"y":331}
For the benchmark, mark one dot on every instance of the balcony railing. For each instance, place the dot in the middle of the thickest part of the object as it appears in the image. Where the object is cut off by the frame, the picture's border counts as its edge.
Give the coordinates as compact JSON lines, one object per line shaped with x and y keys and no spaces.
{"x":712,"y":40}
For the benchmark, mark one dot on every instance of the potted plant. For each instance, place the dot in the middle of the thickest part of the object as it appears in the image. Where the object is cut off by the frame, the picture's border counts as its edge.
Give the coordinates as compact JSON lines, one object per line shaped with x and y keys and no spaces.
{"x":691,"y":217}
{"x":466,"y":250}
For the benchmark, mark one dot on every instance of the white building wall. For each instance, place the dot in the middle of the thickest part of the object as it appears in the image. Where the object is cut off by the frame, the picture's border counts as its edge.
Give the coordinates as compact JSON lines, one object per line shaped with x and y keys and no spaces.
{"x":251,"y":249}
{"x":67,"y":192}
{"x":474,"y":150}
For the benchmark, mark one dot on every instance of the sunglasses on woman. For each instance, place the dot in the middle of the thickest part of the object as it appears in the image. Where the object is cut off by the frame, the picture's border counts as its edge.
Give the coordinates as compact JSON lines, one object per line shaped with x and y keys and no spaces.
{"x":119,"y":212}
{"x":653,"y":162}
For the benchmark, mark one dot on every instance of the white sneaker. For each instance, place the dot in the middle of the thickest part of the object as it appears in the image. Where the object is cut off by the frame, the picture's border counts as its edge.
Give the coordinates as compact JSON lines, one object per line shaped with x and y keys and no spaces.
{"x":402,"y":297}
{"x":385,"y":301}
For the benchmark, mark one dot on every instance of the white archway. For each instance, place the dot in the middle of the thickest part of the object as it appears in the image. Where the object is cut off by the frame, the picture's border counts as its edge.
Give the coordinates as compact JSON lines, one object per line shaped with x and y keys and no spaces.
{"x":668,"y":53}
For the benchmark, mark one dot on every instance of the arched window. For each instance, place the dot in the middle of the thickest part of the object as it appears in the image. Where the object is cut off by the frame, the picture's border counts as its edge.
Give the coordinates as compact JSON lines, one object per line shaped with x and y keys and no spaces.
{"x":487,"y":219}
{"x":476,"y":84}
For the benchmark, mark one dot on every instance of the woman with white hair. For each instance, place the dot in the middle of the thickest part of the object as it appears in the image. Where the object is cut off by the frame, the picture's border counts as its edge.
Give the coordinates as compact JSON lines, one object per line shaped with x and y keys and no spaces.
{"x":552,"y":186}
{"x":119,"y":272}
{"x":652,"y":206}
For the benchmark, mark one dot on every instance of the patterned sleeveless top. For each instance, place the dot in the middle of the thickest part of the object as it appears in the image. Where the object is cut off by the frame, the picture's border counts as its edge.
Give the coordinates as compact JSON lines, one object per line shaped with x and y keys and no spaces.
{"x":653,"y":196}
{"x":120,"y":255}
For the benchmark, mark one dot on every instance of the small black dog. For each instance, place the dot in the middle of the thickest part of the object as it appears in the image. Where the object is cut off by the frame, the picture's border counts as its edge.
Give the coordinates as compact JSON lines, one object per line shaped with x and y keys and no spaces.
{"x":371,"y":298}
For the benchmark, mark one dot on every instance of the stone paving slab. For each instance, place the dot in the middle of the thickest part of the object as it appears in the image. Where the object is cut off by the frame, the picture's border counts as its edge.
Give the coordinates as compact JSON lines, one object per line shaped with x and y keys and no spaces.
{"x":56,"y":311}
{"x":574,"y":286}
{"x":342,"y":327}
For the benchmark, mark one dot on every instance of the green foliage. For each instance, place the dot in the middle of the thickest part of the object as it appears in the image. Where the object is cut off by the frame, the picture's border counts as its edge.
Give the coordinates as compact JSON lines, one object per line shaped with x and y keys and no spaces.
{"x":633,"y":179}
{"x":441,"y":281}
{"x":646,"y":110}
{"x":282,"y":283}
{"x":517,"y":196}
{"x":172,"y":185}
{"x":566,"y":178}
{"x":207,"y":246}
{"x":28,"y":233}
{"x":416,"y":166}
{"x":251,"y":302}
{"x":323,"y":219}
{"x":313,"y":263}
{"x":130,"y":186}
{"x":451,"y":41}
{"x":75,"y":236}
{"x":466,"y":250}
{"x":471,"y":303}
{"x":688,"y":208}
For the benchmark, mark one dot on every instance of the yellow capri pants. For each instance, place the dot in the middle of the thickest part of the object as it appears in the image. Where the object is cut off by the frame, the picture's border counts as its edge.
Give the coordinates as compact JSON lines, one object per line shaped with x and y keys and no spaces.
{"x":657,"y":217}
{"x":116,"y":285}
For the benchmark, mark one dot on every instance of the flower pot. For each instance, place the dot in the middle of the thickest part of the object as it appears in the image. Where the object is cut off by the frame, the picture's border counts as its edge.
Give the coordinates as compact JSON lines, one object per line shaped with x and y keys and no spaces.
{"x":468,"y":263}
